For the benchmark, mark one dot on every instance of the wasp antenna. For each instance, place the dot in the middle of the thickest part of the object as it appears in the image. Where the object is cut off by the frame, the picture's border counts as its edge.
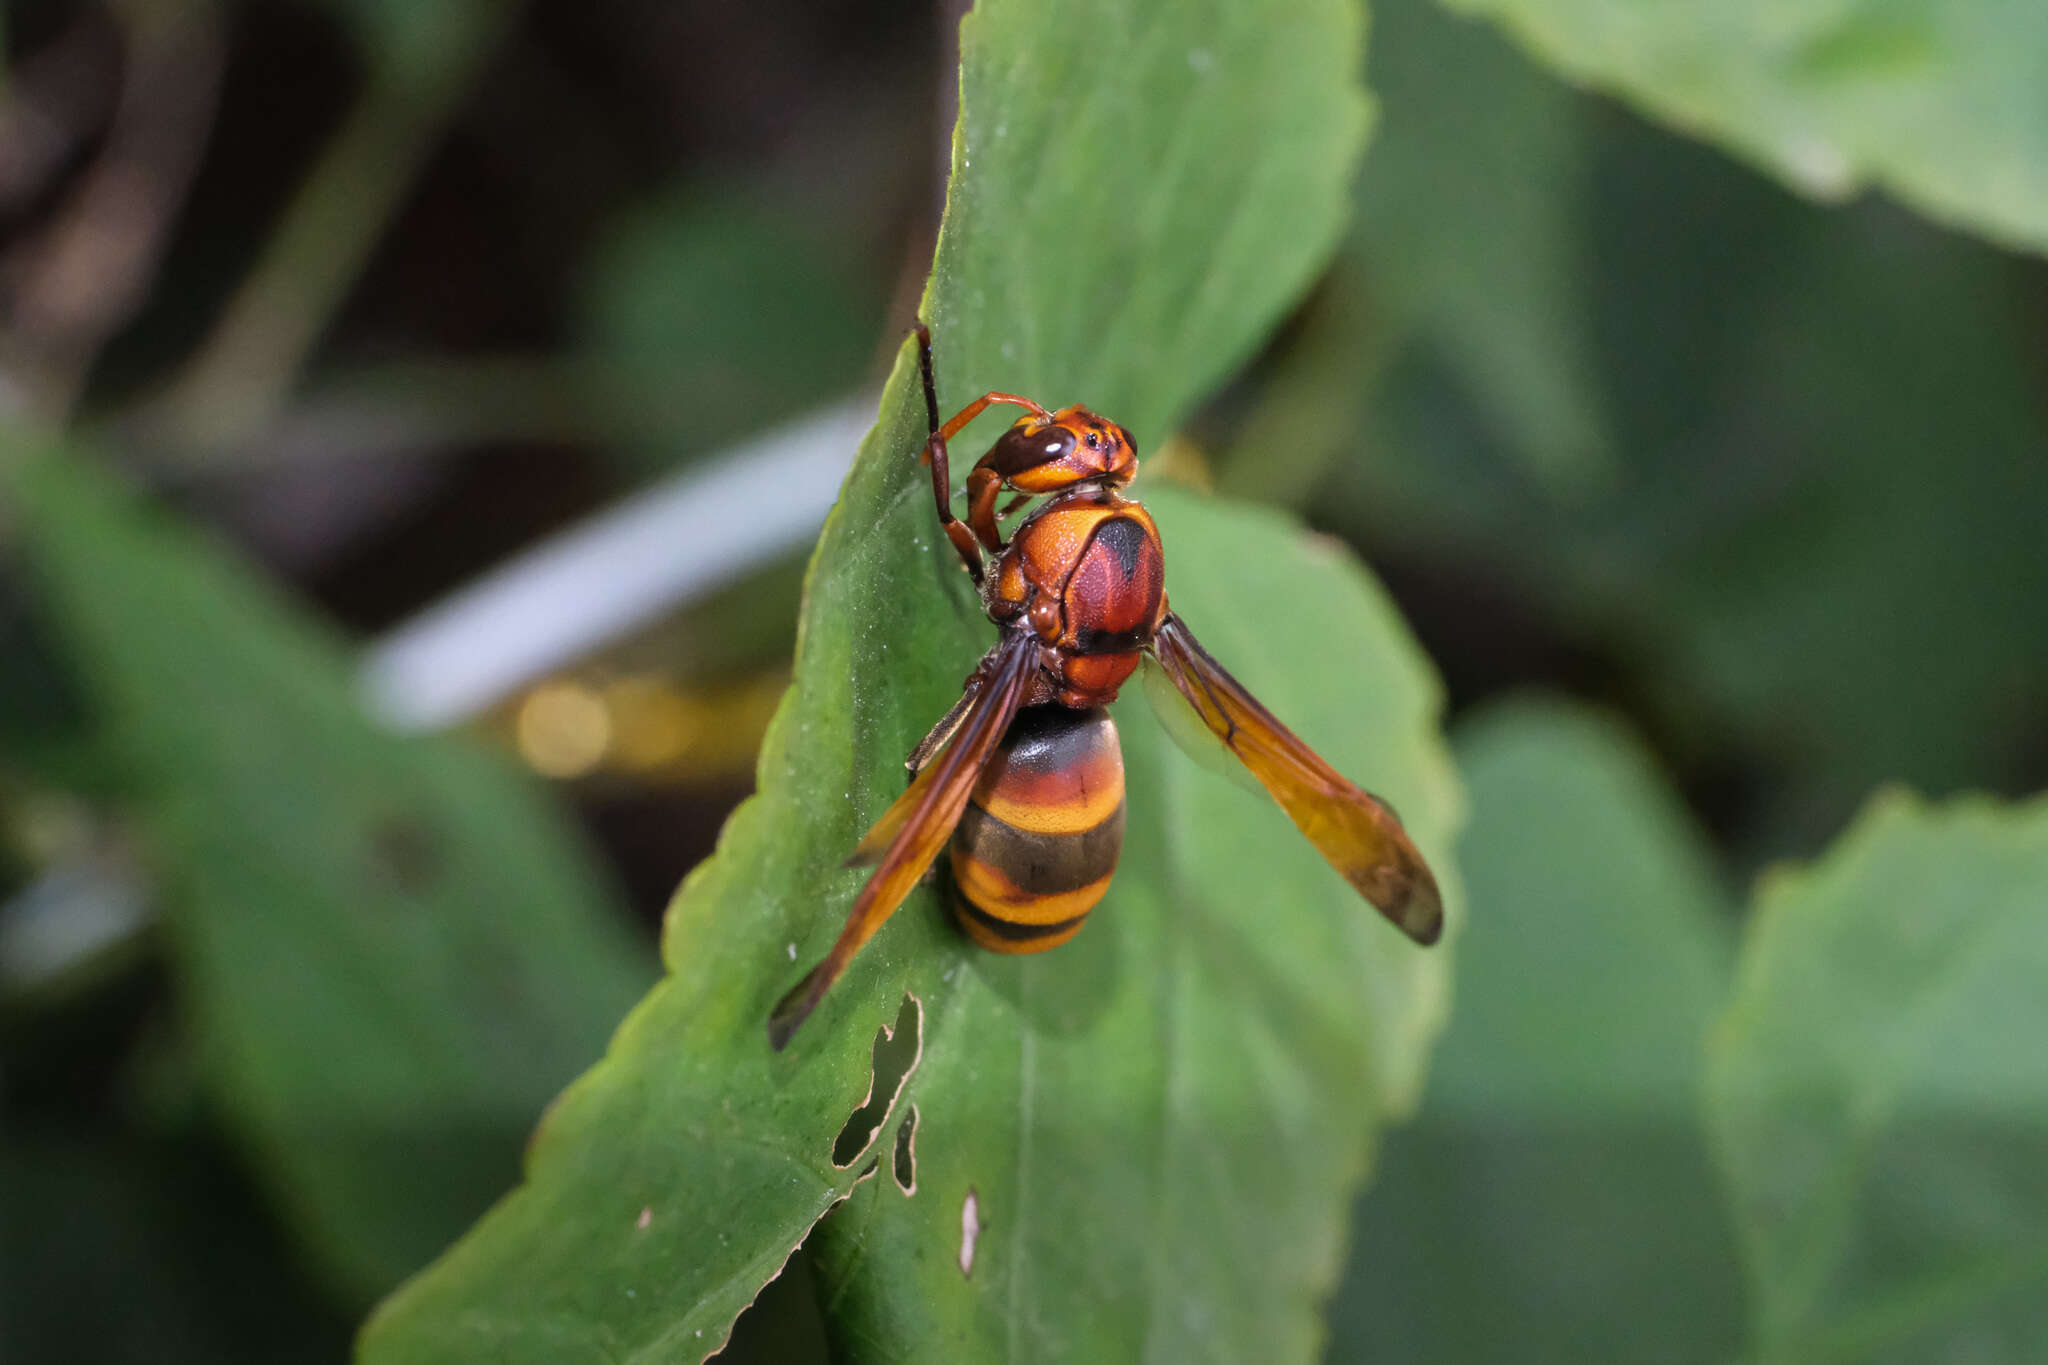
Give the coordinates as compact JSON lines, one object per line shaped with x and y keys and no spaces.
{"x":931,"y":385}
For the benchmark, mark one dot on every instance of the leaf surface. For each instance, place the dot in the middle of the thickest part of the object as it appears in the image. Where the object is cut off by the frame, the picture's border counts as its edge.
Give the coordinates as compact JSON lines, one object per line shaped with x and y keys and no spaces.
{"x":1876,"y":1094}
{"x":388,"y":951}
{"x":1940,"y":102}
{"x":1554,"y":1200}
{"x":1472,"y":208}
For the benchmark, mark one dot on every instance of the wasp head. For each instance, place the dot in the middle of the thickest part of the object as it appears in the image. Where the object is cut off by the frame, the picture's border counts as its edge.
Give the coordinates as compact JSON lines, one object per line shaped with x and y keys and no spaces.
{"x":1072,"y":446}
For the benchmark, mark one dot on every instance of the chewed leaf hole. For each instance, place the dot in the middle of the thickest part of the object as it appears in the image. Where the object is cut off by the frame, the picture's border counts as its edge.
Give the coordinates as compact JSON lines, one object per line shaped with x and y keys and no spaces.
{"x":904,"y":1166}
{"x":897,"y":1052}
{"x":970,"y":1229}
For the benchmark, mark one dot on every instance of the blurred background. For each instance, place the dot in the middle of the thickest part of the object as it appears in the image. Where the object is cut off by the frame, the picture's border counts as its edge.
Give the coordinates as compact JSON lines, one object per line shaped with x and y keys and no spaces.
{"x":448,"y":390}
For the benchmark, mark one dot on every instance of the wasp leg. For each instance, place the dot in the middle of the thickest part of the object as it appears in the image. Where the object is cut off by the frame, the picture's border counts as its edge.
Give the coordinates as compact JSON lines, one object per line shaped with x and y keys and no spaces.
{"x":982,"y":487}
{"x":935,"y":455}
{"x":964,"y":542}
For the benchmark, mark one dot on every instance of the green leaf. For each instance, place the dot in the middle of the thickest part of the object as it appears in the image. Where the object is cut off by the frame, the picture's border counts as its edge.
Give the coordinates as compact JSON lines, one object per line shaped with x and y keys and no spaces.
{"x":1138,"y":191}
{"x":1941,"y":104}
{"x":737,"y":305}
{"x":389,"y":952}
{"x":1596,"y":900}
{"x":1162,"y":1120}
{"x":1471,"y":250}
{"x":1470,"y":227}
{"x":1893,"y":512}
{"x":1554,"y":1200}
{"x":1828,"y":443}
{"x":1876,"y":1094}
{"x":1159,"y":1122}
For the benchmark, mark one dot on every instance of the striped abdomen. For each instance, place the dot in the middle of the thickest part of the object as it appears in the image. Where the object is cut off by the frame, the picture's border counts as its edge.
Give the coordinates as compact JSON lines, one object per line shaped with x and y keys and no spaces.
{"x":1039,"y":841}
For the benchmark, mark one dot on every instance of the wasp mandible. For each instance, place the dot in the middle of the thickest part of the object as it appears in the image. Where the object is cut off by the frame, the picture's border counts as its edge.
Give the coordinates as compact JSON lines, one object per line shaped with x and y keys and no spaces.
{"x":1024,"y":773}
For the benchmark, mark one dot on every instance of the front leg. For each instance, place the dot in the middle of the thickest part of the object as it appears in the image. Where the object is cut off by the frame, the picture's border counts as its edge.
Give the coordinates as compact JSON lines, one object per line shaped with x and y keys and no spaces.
{"x":964,"y":541}
{"x":983,"y":486}
{"x":942,"y":484}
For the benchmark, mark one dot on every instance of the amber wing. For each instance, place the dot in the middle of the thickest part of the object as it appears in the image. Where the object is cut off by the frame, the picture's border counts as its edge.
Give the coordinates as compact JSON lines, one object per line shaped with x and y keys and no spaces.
{"x":1360,"y":836}
{"x":918,"y":824}
{"x":923,"y":772}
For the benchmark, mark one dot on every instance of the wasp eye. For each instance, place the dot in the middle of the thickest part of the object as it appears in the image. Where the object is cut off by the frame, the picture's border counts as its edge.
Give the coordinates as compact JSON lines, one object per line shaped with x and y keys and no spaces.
{"x":1021,"y":448}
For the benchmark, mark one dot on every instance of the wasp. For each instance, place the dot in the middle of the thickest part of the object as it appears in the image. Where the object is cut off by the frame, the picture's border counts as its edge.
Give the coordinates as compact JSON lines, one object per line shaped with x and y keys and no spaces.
{"x":1024,"y":774}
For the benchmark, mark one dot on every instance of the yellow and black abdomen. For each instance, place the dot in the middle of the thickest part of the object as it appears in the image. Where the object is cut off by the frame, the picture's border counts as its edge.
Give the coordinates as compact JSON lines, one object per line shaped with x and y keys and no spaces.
{"x":1040,"y":839}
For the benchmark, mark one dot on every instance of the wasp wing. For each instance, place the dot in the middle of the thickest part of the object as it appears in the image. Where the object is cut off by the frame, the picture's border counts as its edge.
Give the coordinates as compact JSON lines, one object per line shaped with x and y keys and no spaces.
{"x":883,"y":832}
{"x":1357,"y":832}
{"x":1186,"y":729}
{"x":919,"y":822}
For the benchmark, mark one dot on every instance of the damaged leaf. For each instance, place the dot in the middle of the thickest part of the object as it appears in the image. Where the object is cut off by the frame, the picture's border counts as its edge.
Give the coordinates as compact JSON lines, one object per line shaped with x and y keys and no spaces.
{"x":1161,"y":1121}
{"x":898,"y":1049}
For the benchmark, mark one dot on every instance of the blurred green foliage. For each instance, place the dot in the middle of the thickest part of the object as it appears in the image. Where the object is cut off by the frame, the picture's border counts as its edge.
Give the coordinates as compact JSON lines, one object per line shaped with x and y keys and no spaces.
{"x":1616,"y":414}
{"x":1782,"y":465}
{"x":1876,"y":1094}
{"x":391,"y":954}
{"x":1554,"y":1200}
{"x":730,"y":302}
{"x":1939,"y":103}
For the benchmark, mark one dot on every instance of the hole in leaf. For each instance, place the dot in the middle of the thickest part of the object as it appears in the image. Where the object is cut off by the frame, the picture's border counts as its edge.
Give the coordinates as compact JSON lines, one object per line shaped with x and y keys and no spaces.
{"x":897,"y":1051}
{"x":776,"y":1326}
{"x":784,"y":1322}
{"x":904,"y":1165}
{"x":970,"y":1230}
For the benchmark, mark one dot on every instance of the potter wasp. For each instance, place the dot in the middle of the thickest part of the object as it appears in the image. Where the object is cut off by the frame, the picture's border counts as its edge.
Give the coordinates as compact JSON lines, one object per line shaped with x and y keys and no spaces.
{"x":1024,"y":775}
